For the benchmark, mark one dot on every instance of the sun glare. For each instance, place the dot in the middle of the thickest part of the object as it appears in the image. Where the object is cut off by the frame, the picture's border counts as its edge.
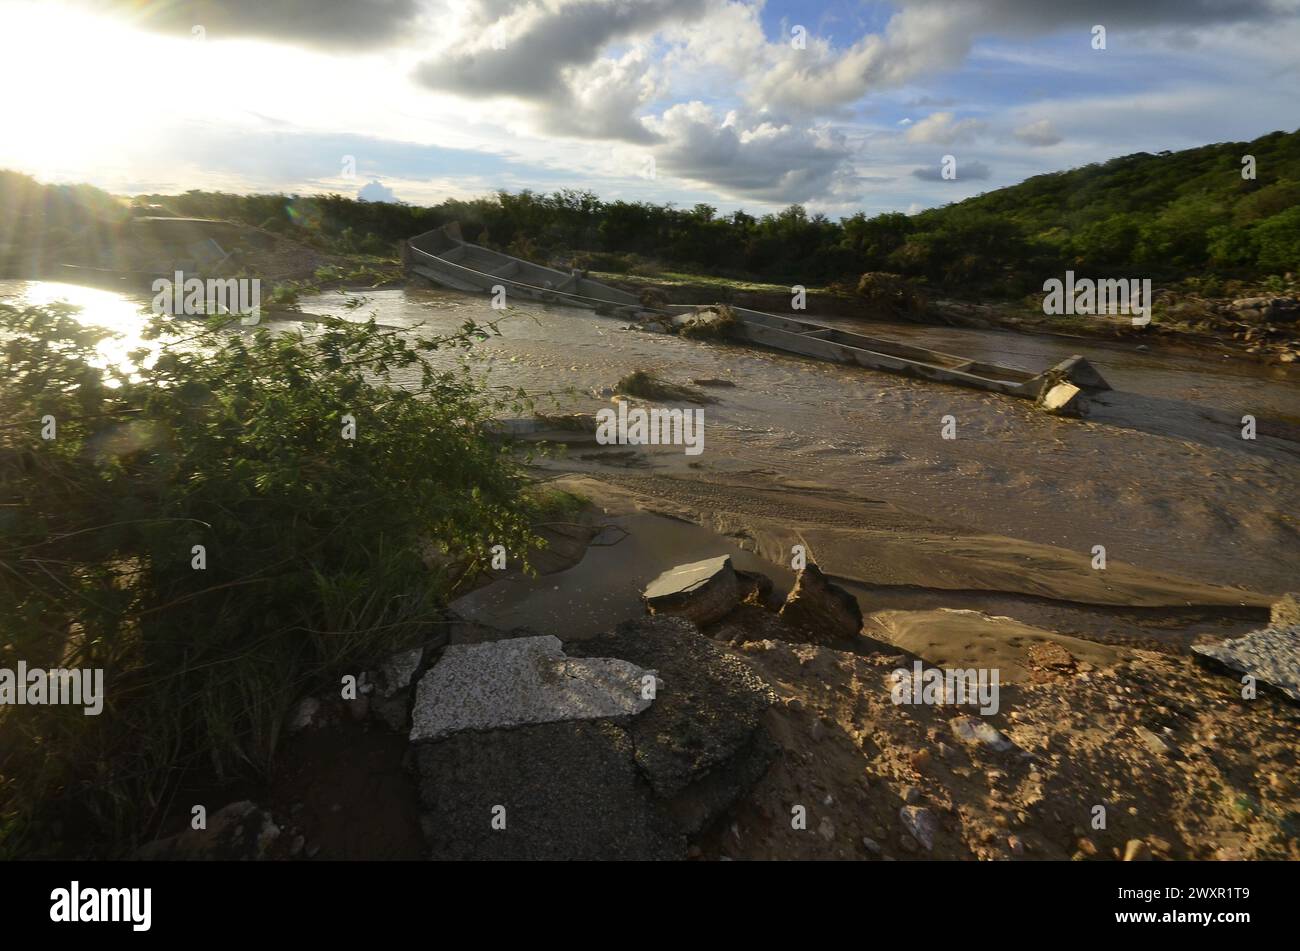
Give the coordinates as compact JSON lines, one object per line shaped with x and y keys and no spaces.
{"x":81,"y":85}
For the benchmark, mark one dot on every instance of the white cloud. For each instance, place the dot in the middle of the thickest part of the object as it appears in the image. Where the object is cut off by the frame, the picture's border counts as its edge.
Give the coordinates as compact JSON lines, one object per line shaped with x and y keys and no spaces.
{"x":764,"y":160}
{"x":695,"y":83}
{"x":375,"y":190}
{"x":1039,"y":133}
{"x":943,"y":128}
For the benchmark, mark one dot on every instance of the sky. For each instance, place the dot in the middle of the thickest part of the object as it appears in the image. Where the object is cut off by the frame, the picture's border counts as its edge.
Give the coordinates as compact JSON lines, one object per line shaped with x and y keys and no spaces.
{"x":839,"y":105}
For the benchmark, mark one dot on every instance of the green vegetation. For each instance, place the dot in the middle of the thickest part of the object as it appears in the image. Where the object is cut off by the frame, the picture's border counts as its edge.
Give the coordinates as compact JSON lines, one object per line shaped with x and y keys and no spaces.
{"x":321,"y":551}
{"x":1170,"y":216}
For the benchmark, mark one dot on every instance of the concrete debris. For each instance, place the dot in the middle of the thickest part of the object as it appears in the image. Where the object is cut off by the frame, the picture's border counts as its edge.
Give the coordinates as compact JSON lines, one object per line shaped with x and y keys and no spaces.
{"x":1063,"y":399}
{"x":552,"y":791}
{"x":1077,"y":370}
{"x":702,"y":744}
{"x":527,"y":680}
{"x":702,"y":591}
{"x":606,"y":787}
{"x":1271,"y":655}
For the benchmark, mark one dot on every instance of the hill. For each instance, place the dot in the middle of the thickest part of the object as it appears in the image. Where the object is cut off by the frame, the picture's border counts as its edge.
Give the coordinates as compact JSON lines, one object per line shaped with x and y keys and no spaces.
{"x":1172,"y":216}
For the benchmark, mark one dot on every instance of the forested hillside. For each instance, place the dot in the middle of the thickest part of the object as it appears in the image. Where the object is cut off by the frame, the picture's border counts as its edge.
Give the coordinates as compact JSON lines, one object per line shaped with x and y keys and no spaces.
{"x":1173,"y":215}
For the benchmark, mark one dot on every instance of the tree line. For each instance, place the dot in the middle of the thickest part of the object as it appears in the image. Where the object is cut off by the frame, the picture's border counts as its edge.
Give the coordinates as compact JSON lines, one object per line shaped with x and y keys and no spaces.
{"x":1167,"y":215}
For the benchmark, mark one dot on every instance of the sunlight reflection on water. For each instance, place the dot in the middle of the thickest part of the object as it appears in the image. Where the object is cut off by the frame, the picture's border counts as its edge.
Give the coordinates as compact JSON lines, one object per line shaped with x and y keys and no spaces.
{"x":124,"y":315}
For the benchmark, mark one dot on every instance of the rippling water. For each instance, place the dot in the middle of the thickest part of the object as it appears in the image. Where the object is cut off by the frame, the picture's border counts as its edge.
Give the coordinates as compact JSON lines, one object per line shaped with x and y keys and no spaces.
{"x":1159,"y":474}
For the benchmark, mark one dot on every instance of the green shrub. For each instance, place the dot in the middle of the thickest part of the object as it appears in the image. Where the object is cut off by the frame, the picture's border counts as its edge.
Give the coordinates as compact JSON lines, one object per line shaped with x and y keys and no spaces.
{"x":232,"y":439}
{"x":1278,"y":239}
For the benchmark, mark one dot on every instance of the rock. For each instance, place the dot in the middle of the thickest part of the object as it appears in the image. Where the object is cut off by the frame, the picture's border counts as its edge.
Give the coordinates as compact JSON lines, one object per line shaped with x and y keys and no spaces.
{"x":919,"y":759}
{"x":1285,"y":611}
{"x":871,"y":845}
{"x":390,"y":701}
{"x":826,"y":829}
{"x":570,"y":791}
{"x":702,"y":592}
{"x":1152,"y":742}
{"x":397,"y":672}
{"x":1016,"y":845}
{"x":754,"y":586}
{"x":1271,"y":655}
{"x":1280,"y":309}
{"x":823,"y":612}
{"x":1136,"y":851}
{"x":240,"y":831}
{"x":520,"y":681}
{"x":973,"y":730}
{"x":920,"y":824}
{"x":702,"y":744}
{"x":911,"y":795}
{"x":309,"y":714}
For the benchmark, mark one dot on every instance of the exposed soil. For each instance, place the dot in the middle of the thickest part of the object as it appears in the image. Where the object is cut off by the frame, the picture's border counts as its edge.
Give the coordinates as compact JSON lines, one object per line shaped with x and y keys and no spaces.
{"x":1226,"y":787}
{"x":347,"y":789}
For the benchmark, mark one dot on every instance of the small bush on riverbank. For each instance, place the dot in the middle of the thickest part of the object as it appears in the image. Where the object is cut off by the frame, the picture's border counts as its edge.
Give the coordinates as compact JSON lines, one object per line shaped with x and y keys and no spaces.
{"x":310,"y":482}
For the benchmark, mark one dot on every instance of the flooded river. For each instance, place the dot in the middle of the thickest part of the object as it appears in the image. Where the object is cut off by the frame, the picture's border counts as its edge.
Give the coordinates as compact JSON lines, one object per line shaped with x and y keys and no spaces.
{"x":1159,"y":474}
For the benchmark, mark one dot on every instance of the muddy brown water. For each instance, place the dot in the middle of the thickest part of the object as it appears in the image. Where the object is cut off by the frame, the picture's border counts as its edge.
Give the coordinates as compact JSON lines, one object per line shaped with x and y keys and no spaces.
{"x":1160,"y":474}
{"x":604,"y":588}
